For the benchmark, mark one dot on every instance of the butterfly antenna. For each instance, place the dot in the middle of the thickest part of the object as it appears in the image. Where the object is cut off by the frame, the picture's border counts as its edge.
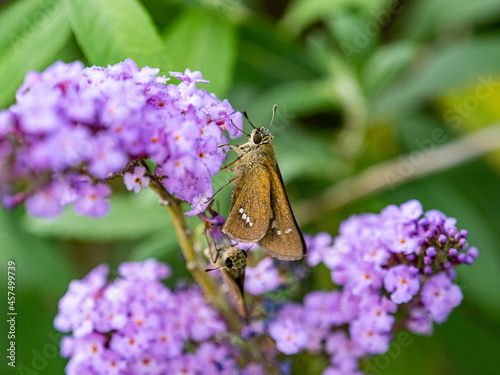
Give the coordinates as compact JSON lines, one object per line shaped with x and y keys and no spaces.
{"x":248,"y":135}
{"x":272,"y":120}
{"x":250,"y":122}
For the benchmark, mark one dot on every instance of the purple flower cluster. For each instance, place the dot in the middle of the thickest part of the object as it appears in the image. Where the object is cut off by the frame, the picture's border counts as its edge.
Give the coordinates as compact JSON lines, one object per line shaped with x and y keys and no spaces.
{"x":264,"y":277}
{"x":72,"y":129}
{"x":398,"y":261}
{"x":394,"y":271}
{"x":136,"y":325}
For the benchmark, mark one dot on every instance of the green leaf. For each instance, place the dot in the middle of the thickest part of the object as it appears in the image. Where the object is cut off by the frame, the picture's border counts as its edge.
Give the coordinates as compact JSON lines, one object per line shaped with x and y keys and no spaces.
{"x":163,"y":247}
{"x":467,"y":335}
{"x":40,"y":265}
{"x":157,"y":246}
{"x":131,"y":217}
{"x":310,"y":156}
{"x":302,"y":13}
{"x":42,"y":274}
{"x":111,"y":31}
{"x":385,"y":65}
{"x":33,"y":33}
{"x":267,"y":57}
{"x":204,"y":40}
{"x":293,"y":98}
{"x":445,"y":69}
{"x":429,"y":17}
{"x":17,"y":21}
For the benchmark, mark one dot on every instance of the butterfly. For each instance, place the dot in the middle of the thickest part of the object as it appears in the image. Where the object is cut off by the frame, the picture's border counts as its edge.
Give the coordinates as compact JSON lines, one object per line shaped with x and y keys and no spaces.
{"x":260,"y":211}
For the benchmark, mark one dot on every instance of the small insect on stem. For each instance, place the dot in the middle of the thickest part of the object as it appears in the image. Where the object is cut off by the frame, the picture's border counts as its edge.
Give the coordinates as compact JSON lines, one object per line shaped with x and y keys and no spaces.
{"x":232,"y":262}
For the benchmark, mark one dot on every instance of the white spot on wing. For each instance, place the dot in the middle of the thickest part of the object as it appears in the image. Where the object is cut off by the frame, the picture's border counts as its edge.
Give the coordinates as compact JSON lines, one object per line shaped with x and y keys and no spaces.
{"x":248,"y":219}
{"x":244,"y":216}
{"x":273,"y":224}
{"x":288,"y":230}
{"x":278,"y":232}
{"x":251,"y":224}
{"x":277,"y":200}
{"x":241,"y":210}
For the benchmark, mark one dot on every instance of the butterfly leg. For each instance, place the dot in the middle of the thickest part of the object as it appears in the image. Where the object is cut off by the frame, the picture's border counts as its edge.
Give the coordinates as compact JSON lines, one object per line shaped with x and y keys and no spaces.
{"x":239,"y":149}
{"x":234,"y":147}
{"x":225,"y":168}
{"x":227,"y":183}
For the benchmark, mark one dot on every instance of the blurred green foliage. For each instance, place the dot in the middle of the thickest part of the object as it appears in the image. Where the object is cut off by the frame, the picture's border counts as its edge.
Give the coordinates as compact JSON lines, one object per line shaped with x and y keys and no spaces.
{"x":357,"y":83}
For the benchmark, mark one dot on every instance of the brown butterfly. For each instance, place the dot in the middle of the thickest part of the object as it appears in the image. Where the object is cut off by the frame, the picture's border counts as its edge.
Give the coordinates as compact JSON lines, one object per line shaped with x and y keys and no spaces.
{"x":260,"y":210}
{"x":232,"y":262}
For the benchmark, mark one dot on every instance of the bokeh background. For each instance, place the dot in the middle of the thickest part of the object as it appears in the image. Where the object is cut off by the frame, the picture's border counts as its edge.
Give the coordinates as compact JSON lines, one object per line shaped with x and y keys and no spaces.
{"x":378,"y":101}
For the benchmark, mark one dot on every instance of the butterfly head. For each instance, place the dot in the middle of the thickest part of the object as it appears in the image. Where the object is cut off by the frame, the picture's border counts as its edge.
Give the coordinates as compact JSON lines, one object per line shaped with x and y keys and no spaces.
{"x":259,"y":136}
{"x":236,"y":259}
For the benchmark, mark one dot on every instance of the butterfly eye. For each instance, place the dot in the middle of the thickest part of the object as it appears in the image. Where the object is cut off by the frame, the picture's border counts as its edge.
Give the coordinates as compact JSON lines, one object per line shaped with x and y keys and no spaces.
{"x":229,"y":263}
{"x":257,"y":137}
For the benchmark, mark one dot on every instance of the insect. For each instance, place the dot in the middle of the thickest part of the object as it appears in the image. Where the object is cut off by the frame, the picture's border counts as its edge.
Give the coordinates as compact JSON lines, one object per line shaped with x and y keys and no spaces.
{"x":232,"y":262}
{"x":260,"y":211}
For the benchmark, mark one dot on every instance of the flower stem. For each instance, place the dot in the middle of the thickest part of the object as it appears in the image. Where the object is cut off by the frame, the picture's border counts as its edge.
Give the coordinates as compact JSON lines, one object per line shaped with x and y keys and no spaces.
{"x":212,"y":293}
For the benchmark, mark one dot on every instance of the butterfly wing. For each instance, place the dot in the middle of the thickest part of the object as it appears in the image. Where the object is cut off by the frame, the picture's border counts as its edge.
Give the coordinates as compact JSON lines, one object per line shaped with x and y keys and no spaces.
{"x":283,"y":238}
{"x":235,"y":284}
{"x":234,"y":275}
{"x":249,"y":215}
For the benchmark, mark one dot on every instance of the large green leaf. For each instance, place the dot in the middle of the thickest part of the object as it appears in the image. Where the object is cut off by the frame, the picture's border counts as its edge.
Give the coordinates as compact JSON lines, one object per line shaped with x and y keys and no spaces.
{"x":204,"y":40}
{"x":426,"y":18}
{"x":446,"y":67}
{"x":42,"y":274}
{"x":39,"y":263}
{"x":302,"y":13}
{"x":293,"y":98}
{"x":310,"y":157}
{"x":18,"y":21}
{"x":385,"y":65}
{"x":267,"y":57}
{"x":111,"y":31}
{"x":467,"y":335}
{"x":33,"y":33}
{"x":157,"y":246}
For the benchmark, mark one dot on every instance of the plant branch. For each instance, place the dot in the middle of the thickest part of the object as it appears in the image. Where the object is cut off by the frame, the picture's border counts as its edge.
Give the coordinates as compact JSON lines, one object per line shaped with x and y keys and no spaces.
{"x":184,"y":236}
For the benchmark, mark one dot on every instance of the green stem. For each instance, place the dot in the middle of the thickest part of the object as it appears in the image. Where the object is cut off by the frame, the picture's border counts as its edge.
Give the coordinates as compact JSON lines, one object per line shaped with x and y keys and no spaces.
{"x":212,"y":293}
